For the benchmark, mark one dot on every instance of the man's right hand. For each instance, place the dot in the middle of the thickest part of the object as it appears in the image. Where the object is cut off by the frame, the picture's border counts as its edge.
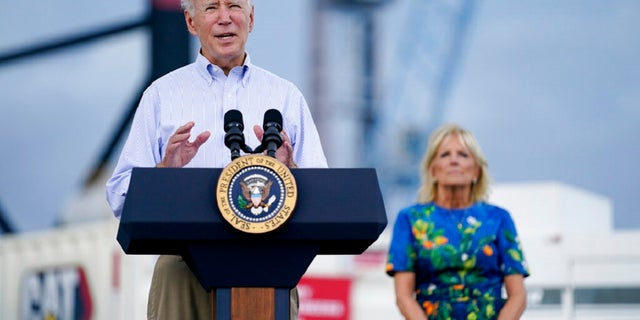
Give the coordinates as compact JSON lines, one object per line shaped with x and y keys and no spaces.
{"x":179,"y":150}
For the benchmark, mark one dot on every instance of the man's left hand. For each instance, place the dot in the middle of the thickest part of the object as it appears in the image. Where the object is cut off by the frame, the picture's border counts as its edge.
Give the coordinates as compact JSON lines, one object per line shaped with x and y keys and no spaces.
{"x":284,"y":154}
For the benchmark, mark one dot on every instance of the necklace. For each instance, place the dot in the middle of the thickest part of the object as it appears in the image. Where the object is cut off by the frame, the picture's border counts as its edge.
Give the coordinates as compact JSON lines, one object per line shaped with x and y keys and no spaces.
{"x":459,"y":216}
{"x":460,"y":220}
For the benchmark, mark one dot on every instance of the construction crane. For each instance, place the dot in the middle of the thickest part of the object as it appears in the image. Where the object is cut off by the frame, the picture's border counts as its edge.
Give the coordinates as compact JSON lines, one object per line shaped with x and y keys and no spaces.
{"x":399,"y":111}
{"x":426,"y":64}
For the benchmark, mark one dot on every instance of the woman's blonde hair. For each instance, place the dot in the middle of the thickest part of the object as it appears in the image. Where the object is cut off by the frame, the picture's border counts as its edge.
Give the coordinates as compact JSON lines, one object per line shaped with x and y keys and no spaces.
{"x":479,"y":189}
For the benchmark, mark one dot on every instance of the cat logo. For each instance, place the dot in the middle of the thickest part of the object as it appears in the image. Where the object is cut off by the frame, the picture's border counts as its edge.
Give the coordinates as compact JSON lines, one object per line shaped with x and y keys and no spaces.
{"x":256,"y":193}
{"x":56,"y":293}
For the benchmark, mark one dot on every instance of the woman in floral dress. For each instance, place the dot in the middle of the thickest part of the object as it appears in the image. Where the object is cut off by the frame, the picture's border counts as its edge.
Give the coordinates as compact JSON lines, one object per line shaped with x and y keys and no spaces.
{"x":452,"y":252}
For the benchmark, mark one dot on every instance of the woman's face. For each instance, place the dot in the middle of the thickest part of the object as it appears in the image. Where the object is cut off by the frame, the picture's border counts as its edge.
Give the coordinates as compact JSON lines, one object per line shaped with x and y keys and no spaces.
{"x":453,"y":164}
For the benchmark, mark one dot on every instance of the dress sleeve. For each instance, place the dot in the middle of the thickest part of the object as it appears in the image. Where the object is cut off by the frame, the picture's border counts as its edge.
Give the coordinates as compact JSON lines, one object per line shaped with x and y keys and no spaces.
{"x":402,"y":255}
{"x":512,"y":260}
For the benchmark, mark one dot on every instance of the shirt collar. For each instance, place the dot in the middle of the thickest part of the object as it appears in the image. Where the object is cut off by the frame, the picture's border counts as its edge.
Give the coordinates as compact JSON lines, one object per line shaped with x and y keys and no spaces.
{"x":210,"y":71}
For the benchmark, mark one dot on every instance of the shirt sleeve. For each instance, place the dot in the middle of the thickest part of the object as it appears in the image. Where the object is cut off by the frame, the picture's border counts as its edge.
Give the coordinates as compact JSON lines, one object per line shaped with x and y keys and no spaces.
{"x":305,"y":140}
{"x":512,"y":260}
{"x":402,"y":255}
{"x":141,"y":149}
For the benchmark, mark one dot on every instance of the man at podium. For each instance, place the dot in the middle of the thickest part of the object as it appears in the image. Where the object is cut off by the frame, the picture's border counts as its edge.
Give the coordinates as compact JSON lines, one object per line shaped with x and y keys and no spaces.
{"x":192,"y":100}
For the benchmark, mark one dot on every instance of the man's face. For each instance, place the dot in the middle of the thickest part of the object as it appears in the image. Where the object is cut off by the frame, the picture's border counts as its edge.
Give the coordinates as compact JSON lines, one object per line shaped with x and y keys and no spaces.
{"x":223,"y":27}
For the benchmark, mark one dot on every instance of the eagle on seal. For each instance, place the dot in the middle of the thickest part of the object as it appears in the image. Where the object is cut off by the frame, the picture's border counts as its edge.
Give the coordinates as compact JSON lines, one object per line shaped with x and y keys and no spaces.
{"x":257,"y":194}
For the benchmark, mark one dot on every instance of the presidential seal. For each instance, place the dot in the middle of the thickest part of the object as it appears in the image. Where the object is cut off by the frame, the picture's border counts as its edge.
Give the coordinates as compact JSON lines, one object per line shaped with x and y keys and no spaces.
{"x":256,"y":193}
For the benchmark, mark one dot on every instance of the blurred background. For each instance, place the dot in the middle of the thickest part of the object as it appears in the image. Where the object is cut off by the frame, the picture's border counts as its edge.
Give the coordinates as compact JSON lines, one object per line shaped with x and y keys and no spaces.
{"x":550,"y":89}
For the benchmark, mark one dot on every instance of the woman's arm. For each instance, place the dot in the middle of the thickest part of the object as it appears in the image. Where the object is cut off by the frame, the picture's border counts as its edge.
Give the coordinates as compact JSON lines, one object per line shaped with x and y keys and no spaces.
{"x":405,"y":283}
{"x":516,"y":298}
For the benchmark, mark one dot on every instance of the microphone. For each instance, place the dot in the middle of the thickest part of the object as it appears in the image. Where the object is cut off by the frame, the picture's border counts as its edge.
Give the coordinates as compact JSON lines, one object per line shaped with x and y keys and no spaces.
{"x":234,"y":138}
{"x":272,"y":125}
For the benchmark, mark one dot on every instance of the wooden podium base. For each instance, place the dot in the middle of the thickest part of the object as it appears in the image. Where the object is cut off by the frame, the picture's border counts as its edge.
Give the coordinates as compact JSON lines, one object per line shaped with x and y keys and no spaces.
{"x":250,"y":304}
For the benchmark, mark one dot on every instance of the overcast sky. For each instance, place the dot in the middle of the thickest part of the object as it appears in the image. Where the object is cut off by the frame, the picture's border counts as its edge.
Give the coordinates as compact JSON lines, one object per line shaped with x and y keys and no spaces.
{"x":551,"y":90}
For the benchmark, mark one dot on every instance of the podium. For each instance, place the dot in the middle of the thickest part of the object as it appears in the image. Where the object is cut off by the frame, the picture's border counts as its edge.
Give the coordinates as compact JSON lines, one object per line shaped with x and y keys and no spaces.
{"x":174,"y":211}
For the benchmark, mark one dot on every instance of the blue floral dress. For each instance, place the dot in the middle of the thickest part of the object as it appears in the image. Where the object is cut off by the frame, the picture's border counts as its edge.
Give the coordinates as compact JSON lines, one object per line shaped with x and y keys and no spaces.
{"x":459,"y":256}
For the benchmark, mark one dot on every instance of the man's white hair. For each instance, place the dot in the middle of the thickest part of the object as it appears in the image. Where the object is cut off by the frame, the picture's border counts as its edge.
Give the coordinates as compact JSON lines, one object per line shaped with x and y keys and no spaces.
{"x":189,"y":6}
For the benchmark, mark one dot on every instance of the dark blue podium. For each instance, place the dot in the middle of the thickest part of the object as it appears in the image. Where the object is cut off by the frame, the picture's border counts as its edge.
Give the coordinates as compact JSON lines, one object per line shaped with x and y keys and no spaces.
{"x":174,"y":211}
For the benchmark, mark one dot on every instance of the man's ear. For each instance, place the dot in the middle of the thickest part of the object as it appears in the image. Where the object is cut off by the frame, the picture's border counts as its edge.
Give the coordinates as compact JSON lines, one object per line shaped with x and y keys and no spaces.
{"x":251,"y":17}
{"x":189,"y":21}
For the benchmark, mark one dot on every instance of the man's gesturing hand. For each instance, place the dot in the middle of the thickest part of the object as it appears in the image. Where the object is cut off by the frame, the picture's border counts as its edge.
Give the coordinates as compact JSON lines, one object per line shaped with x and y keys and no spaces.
{"x":285,"y":153}
{"x":179,"y":150}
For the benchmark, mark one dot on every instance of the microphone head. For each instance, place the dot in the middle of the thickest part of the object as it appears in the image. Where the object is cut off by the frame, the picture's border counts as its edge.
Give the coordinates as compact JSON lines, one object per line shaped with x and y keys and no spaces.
{"x":233,"y":118}
{"x":272,"y":117}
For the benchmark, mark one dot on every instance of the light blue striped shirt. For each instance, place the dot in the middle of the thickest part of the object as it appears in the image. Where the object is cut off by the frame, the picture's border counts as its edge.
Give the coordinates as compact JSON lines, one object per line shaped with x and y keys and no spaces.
{"x":202,"y":93}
